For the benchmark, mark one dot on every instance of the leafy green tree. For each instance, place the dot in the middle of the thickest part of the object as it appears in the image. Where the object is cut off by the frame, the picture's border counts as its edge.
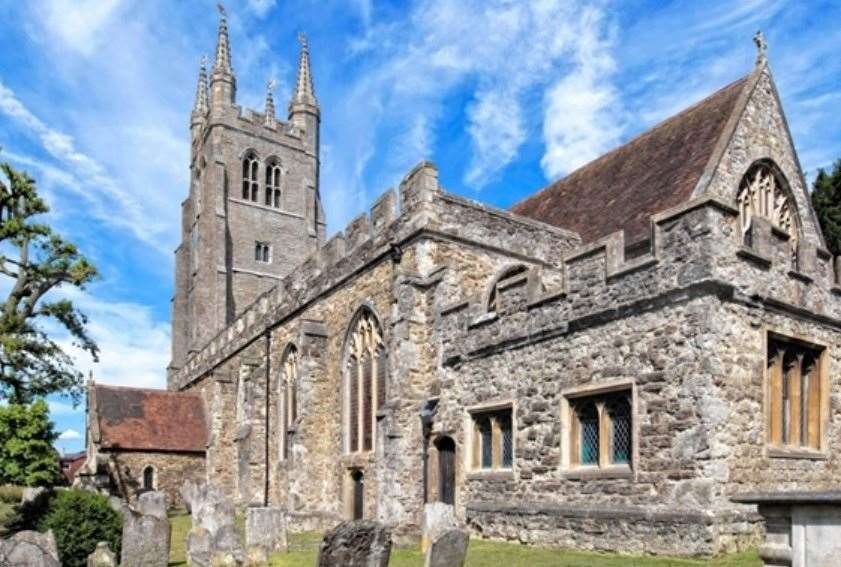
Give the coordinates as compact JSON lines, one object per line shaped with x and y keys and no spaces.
{"x":37,"y":261}
{"x":27,"y":456}
{"x":826,"y":199}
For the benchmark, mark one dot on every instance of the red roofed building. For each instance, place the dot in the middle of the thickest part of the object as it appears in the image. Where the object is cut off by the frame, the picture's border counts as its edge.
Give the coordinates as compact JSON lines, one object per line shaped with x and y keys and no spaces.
{"x":143,"y":439}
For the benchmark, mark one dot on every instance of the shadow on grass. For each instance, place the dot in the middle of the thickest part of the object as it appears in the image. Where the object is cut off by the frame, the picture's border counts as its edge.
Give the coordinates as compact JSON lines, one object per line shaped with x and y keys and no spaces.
{"x":303,"y":551}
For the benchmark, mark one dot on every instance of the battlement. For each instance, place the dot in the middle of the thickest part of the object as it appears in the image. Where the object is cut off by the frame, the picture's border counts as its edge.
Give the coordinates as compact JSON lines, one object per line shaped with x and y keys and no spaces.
{"x":394,"y":219}
{"x":696,"y":248}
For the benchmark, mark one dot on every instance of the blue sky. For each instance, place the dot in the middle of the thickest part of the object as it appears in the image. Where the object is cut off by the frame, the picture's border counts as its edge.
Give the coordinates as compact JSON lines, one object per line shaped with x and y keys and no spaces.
{"x":503,"y":95}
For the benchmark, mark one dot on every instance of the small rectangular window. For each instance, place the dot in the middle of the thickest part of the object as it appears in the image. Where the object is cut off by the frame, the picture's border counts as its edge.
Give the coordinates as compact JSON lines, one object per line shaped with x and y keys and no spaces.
{"x":493,"y":439}
{"x":600,"y":429}
{"x":795,"y":393}
{"x":262,"y":252}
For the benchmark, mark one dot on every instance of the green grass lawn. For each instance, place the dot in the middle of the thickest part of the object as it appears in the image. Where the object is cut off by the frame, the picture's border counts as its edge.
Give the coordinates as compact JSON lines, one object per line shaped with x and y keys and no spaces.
{"x":304,"y":549}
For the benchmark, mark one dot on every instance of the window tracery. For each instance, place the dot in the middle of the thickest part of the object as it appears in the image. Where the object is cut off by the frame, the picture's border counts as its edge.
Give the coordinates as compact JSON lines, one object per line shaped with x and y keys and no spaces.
{"x":762,"y":194}
{"x":274,"y":175}
{"x":367,"y":374}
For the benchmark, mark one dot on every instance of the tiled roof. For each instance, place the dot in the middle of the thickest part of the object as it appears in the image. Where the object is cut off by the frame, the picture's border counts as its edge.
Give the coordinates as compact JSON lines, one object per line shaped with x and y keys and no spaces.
{"x":653,"y":172}
{"x":148,"y":419}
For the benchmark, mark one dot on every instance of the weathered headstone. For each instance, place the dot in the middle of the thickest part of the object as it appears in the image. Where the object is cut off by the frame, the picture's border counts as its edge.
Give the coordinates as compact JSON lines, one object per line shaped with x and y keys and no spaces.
{"x":30,"y":493}
{"x":29,"y":549}
{"x":266,"y":528}
{"x":214,"y":534}
{"x":448,"y":549}
{"x":102,"y":556}
{"x":437,"y":517}
{"x":358,"y":543}
{"x":146,"y":534}
{"x":256,"y":557}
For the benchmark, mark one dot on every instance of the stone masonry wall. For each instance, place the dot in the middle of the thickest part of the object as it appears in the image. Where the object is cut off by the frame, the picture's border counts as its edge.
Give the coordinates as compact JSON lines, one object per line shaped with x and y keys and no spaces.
{"x":172,"y":470}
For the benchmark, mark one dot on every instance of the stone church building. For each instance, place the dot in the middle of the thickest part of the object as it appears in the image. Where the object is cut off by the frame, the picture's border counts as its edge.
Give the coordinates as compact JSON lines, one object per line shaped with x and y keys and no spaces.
{"x":602,"y":366}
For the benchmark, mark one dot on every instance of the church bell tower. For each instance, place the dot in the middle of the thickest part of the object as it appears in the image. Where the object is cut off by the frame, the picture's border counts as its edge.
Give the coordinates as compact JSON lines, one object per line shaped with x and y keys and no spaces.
{"x":253,"y":211}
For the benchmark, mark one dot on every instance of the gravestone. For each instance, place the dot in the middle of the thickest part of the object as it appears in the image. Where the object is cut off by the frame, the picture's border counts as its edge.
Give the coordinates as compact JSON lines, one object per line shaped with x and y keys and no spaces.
{"x":146,"y":534}
{"x":266,"y":528}
{"x":448,"y":549}
{"x":30,"y":493}
{"x":102,"y":556}
{"x":256,"y":557}
{"x":437,"y":518}
{"x":358,"y":543}
{"x":214,"y":535}
{"x":29,"y":549}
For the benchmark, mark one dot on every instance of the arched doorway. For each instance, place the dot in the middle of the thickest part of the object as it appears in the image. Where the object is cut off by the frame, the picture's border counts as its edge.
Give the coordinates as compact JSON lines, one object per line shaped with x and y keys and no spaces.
{"x":357,"y":494}
{"x":446,"y":470}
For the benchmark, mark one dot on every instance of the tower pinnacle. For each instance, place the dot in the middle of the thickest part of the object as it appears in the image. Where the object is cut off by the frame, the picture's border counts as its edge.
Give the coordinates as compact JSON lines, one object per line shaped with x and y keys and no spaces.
{"x":200,"y":107}
{"x":271,"y":120}
{"x":223,"y":47}
{"x":304,"y":96}
{"x":222,"y":83}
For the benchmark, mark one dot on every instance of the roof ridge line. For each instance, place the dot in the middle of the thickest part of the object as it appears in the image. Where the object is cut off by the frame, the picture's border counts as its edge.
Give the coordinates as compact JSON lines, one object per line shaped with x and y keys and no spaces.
{"x":639,"y":136}
{"x":139,"y":389}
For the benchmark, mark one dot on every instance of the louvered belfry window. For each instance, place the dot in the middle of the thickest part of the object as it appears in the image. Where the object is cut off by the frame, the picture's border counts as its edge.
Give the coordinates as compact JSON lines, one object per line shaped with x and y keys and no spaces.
{"x":250,"y":181}
{"x":366,"y":382}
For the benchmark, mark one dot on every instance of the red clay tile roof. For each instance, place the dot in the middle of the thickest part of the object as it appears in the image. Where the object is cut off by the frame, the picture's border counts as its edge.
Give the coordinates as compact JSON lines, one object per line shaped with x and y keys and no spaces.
{"x":70,"y":465}
{"x":653,"y":172}
{"x":152,"y":420}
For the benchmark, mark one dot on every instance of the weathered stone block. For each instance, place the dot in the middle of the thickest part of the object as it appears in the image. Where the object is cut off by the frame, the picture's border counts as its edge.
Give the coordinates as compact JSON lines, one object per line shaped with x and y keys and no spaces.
{"x":146,"y":533}
{"x":357,"y":543}
{"x":437,"y":518}
{"x":449,"y":549}
{"x":29,"y":549}
{"x":102,"y":556}
{"x":214,"y":530}
{"x":266,"y":528}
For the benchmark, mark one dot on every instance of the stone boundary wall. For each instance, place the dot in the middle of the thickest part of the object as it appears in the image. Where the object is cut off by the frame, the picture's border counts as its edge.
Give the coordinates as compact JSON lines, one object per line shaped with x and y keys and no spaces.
{"x":597,"y":281}
{"x":423,"y":209}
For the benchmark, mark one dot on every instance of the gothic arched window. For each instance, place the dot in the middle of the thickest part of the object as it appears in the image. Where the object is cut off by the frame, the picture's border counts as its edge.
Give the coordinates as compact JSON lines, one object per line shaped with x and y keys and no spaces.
{"x":274,"y":174}
{"x":763,"y":193}
{"x":365,"y":381}
{"x":288,"y":396}
{"x":250,"y":184}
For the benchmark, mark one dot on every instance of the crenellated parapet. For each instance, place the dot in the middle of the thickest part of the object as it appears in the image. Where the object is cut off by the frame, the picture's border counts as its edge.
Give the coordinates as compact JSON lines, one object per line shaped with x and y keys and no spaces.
{"x":420,"y":209}
{"x":695,"y":249}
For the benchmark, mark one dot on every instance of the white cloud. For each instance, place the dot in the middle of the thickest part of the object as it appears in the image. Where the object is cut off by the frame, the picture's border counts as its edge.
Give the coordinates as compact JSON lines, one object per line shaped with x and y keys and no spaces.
{"x":107,"y":199}
{"x":134,"y":347}
{"x":61,"y":408}
{"x":261,"y":7}
{"x":69,"y":434}
{"x":582,"y":118}
{"x":503,"y":54}
{"x":77,"y":24}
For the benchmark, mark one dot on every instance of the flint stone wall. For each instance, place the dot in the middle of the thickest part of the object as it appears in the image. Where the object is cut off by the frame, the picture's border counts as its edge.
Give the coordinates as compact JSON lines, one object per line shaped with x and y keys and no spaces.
{"x":171,"y":471}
